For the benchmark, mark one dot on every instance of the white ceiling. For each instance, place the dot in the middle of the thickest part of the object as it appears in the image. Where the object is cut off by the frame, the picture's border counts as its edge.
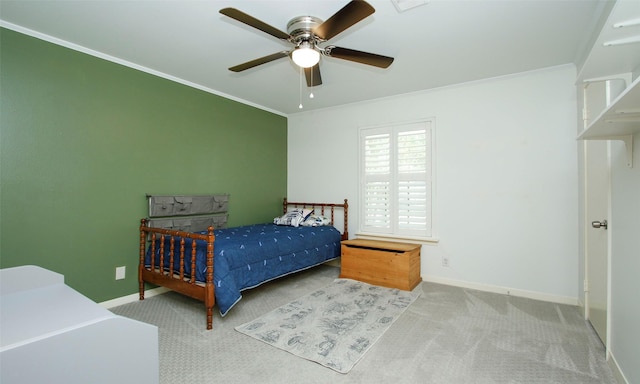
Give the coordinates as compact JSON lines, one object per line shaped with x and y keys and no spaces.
{"x":441,"y":43}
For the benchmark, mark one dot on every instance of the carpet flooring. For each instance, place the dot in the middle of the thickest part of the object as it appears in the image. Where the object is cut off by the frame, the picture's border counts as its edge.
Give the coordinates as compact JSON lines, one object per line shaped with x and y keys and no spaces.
{"x":448,"y":335}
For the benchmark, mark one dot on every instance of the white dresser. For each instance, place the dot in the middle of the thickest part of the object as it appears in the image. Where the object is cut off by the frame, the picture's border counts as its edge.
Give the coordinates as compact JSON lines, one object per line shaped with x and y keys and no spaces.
{"x":50,"y":333}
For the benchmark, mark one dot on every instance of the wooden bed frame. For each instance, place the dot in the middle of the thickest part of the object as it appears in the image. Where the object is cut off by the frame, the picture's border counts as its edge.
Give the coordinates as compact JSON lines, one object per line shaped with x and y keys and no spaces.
{"x":176,"y":279}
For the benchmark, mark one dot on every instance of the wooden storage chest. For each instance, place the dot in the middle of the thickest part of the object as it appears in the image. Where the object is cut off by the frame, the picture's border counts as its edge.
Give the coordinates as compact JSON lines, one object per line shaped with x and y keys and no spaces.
{"x":385,"y":263}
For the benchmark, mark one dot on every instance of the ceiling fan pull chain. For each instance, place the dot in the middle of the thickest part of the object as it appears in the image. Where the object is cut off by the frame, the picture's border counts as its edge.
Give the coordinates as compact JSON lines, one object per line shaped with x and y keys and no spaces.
{"x":300,"y":106}
{"x":311,"y":89}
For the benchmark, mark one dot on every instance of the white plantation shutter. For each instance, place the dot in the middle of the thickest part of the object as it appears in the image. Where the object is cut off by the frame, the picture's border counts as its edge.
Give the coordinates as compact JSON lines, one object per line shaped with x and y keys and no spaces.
{"x":414,"y":213}
{"x":377,"y":168}
{"x":396,"y":179}
{"x":378,"y":214}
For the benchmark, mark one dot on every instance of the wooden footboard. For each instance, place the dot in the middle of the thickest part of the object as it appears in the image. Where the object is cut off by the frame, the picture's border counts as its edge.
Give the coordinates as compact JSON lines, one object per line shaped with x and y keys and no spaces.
{"x":173,"y":279}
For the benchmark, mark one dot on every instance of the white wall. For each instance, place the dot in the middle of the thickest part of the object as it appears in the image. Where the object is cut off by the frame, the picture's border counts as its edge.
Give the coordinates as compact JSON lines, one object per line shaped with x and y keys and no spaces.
{"x":625,"y":259}
{"x":506,"y":170}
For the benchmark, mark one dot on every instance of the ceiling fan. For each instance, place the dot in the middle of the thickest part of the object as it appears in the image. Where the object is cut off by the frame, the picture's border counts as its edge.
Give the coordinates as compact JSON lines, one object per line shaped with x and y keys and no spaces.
{"x":307,"y":34}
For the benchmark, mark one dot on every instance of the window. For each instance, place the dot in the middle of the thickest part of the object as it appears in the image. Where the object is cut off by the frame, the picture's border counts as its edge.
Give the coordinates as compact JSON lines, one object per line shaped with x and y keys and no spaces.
{"x":396,"y":175}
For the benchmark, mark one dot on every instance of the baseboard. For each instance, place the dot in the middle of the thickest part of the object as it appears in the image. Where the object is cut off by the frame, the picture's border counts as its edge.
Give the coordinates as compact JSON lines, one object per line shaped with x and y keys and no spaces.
{"x":133,"y":297}
{"x":432,"y":279}
{"x":615,"y":369}
{"x":503,"y":290}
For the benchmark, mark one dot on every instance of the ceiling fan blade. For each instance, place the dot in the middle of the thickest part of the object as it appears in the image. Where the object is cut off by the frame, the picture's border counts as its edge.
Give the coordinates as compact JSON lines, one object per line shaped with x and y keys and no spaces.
{"x":313,"y":76}
{"x":256,"y":62}
{"x":359,"y":56}
{"x":253,"y":22}
{"x":349,"y":15}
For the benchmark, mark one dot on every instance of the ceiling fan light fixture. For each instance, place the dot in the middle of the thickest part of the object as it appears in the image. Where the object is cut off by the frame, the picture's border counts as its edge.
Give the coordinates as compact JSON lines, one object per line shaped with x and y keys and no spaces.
{"x":305,"y":55}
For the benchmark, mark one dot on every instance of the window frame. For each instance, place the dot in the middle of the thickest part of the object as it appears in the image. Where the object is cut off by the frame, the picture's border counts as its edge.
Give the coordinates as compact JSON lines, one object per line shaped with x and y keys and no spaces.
{"x":394,"y":129}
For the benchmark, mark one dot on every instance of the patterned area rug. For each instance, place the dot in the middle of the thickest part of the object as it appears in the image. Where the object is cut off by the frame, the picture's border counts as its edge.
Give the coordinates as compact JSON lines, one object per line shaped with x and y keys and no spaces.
{"x":333,"y":326}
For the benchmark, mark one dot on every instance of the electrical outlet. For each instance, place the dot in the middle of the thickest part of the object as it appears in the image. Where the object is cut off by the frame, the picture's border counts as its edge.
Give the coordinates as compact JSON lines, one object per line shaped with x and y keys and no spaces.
{"x":120,"y":272}
{"x":445,"y":261}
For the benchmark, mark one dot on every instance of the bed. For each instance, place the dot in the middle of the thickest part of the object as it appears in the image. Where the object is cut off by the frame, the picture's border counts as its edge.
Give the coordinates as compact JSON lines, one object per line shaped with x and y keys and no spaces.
{"x":227,"y":261}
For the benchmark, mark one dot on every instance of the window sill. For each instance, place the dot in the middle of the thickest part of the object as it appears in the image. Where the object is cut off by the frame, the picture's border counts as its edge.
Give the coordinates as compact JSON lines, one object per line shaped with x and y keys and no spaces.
{"x":384,"y":237}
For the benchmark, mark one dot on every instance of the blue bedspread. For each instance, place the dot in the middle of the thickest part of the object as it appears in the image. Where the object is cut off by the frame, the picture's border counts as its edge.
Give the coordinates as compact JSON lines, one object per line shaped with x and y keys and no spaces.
{"x":247,"y":256}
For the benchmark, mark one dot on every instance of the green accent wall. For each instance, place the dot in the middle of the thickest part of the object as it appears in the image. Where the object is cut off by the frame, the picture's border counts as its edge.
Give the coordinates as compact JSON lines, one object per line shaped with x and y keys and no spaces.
{"x":83,"y":140}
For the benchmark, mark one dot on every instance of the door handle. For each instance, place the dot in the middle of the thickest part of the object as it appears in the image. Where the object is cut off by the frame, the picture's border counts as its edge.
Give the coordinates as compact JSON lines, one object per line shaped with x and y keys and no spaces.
{"x":600,"y":224}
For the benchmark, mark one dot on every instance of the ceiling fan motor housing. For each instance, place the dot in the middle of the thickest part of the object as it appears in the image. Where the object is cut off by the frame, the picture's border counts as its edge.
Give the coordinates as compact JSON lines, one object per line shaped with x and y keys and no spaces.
{"x":300,"y":29}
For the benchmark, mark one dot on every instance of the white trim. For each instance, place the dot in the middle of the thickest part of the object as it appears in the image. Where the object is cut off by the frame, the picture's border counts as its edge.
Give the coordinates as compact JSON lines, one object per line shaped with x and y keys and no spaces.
{"x":585,"y":235}
{"x":397,"y":238}
{"x":503,"y":290}
{"x":132,"y":298}
{"x":615,"y":369}
{"x":88,"y":51}
{"x":610,"y":231}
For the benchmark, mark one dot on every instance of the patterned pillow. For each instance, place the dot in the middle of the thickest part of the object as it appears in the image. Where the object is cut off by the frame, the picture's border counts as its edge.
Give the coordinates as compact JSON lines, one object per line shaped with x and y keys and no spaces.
{"x":293,"y":218}
{"x":316,"y":221}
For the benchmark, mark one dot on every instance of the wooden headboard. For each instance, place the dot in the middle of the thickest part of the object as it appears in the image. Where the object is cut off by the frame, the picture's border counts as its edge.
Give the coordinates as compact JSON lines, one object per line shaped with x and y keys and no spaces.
{"x":328,"y":206}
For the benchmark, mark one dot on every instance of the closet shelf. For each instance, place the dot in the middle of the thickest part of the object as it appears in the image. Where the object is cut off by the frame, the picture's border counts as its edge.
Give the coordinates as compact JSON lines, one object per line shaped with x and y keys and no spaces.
{"x":620,"y":118}
{"x":619,"y":121}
